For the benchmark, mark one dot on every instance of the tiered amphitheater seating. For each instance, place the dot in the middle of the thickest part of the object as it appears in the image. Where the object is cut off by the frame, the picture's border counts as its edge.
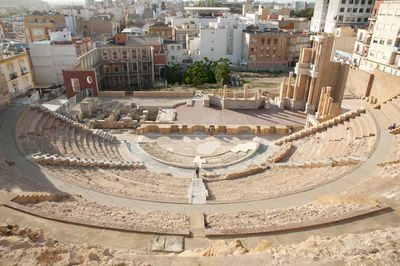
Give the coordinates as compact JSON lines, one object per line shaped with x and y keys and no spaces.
{"x":46,"y":132}
{"x":126,"y":182}
{"x":278,"y":220}
{"x":391,"y":109}
{"x":80,"y":211}
{"x":351,"y":134}
{"x":271,"y":183}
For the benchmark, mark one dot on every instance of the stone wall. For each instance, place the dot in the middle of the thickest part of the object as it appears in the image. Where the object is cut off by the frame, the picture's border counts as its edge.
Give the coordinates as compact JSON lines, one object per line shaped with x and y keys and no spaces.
{"x":384,"y":85}
{"x":359,"y":82}
{"x":227,"y":103}
{"x":379,"y":84}
{"x":161,"y":94}
{"x":111,"y":93}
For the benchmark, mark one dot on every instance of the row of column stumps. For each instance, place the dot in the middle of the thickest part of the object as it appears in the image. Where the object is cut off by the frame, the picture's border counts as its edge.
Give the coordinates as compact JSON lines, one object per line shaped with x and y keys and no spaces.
{"x":223,"y":93}
{"x":325,"y":102}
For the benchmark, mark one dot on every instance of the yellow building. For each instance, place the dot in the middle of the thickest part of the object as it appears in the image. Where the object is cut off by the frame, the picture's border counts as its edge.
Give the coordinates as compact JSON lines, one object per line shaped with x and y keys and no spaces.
{"x":17,"y":71}
{"x":37,"y":28}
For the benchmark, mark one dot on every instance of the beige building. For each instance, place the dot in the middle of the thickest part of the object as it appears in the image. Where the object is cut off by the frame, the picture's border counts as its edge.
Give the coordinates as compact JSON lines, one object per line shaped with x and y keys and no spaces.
{"x":344,"y":39}
{"x":383,"y":42}
{"x":17,"y":72}
{"x":272,"y":49}
{"x":5,"y":96}
{"x":38,"y":28}
{"x":103,"y":24}
{"x":319,"y":84}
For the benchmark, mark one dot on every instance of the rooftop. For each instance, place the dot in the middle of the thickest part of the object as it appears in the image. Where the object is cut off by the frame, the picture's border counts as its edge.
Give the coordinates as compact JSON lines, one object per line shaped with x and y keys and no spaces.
{"x":143,"y":41}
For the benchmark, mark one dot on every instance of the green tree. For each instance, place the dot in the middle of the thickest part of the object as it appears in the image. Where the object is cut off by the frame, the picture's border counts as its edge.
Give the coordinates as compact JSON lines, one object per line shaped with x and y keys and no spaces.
{"x":305,"y":13}
{"x":173,"y":73}
{"x":222,"y":72}
{"x":163,"y":7}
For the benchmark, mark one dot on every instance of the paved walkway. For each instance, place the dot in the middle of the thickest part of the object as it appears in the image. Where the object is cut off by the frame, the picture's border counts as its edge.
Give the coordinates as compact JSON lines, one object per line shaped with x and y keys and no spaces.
{"x":368,"y":169}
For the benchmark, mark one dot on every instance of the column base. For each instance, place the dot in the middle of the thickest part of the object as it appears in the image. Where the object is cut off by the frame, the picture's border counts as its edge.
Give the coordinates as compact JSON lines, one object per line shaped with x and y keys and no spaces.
{"x":310,"y":109}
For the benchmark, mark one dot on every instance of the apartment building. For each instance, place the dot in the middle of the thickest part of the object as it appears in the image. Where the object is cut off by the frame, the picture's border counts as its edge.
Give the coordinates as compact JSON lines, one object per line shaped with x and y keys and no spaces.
{"x":103,"y":24}
{"x":272,"y":49}
{"x":17,"y":71}
{"x":379,"y":47}
{"x":135,"y":65}
{"x":50,"y":58}
{"x":218,"y":41}
{"x":329,"y":14}
{"x":161,"y":30}
{"x":38,"y":28}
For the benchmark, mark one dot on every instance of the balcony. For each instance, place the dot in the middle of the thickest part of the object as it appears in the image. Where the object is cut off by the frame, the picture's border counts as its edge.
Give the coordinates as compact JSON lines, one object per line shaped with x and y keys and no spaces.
{"x":13,"y":76}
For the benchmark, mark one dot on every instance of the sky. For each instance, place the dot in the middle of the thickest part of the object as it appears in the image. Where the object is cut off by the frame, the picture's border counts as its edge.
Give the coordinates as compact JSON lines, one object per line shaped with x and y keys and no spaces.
{"x":79,"y":2}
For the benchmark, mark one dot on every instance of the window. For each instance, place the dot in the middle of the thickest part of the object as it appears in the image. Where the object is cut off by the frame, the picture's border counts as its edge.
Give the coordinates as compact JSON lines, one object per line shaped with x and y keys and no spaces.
{"x":145,"y":68}
{"x":212,"y":49}
{"x":389,"y":42}
{"x":252,"y":49}
{"x":382,"y":11}
{"x":375,"y":40}
{"x":178,"y":48}
{"x":343,"y":1}
{"x":363,"y":2}
{"x":347,"y":19}
{"x":370,"y":2}
{"x":342,"y":9}
{"x":262,"y":40}
{"x":268,"y":41}
{"x":349,"y":10}
{"x":351,"y":2}
{"x":116,"y":69}
{"x":372,"y":53}
{"x":368,"y":10}
{"x":340,"y":18}
{"x":172,"y":47}
{"x":275,"y":41}
{"x":379,"y":55}
{"x":124,"y":54}
{"x":115,"y":55}
{"x":354,"y":10}
{"x":380,"y":26}
{"x":386,"y":27}
{"x":89,"y":79}
{"x":353,"y":19}
{"x":394,"y":27}
{"x":358,"y":19}
{"x":356,"y":2}
{"x":382,"y":41}
{"x":365,"y":19}
{"x":361,"y":10}
{"x":390,"y":12}
{"x":398,"y":12}
{"x":172,"y":57}
{"x":75,"y":85}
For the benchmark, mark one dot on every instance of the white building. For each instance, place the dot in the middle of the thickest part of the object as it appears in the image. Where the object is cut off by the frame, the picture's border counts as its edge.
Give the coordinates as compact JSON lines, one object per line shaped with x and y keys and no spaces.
{"x":50,"y":58}
{"x":328,"y":14}
{"x":382,"y":42}
{"x":224,"y":41}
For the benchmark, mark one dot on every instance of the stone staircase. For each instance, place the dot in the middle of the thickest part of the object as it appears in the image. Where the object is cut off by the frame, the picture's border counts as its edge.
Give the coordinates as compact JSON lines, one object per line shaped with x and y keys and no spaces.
{"x":35,"y":197}
{"x":197,"y":193}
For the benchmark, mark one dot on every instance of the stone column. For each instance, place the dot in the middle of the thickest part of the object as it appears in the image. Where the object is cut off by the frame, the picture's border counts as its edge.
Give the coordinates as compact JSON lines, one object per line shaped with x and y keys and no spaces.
{"x":225,"y":91}
{"x":214,"y":92}
{"x":220,"y":92}
{"x":326,"y":101}
{"x":290,"y":87}
{"x":246,"y":88}
{"x":259,"y":93}
{"x":321,"y":101}
{"x":311,"y":91}
{"x":235,"y":95}
{"x":283,"y":89}
{"x":329,"y":105}
{"x":307,"y":88}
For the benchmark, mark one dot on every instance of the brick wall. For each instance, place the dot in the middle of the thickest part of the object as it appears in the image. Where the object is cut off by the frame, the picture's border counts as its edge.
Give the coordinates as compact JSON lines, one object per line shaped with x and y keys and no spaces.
{"x":84,"y":77}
